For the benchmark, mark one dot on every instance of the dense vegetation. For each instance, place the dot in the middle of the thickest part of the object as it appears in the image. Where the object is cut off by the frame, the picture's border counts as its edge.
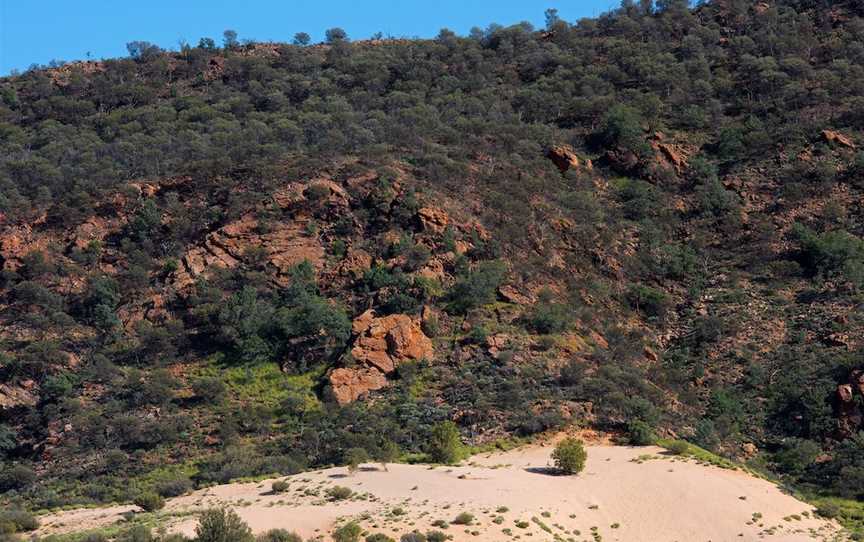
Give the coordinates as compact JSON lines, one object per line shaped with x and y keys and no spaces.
{"x":701,"y":281}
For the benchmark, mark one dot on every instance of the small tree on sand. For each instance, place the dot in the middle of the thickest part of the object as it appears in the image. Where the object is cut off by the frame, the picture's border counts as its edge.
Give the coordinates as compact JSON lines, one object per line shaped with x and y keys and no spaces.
{"x":354,"y":457}
{"x":570,"y":456}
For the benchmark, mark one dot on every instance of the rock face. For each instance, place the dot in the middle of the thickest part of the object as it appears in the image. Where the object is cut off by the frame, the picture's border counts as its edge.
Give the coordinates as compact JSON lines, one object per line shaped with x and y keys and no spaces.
{"x":838,"y":139}
{"x":284,"y":245}
{"x":565,"y":158}
{"x":350,"y":384}
{"x":433,"y":220}
{"x":380,"y":346}
{"x":386,"y":342}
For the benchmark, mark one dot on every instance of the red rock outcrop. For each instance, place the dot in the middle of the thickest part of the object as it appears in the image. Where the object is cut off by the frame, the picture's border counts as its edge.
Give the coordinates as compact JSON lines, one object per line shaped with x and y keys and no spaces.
{"x":285,"y":245}
{"x":565,"y":158}
{"x":386,"y":342}
{"x":837,"y":138}
{"x":348,"y":385}
{"x":433,"y":220}
{"x":380,"y":346}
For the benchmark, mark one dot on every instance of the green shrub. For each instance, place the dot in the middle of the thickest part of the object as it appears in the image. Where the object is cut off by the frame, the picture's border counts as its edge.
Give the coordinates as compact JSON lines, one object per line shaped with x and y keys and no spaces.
{"x":174,"y":487}
{"x":149,"y":502}
{"x":209,"y":389}
{"x":20,"y":520}
{"x":278,"y":535}
{"x":828,"y":510}
{"x":221,"y":525}
{"x":354,"y":457}
{"x":445,"y":445}
{"x":797,"y":455}
{"x":437,"y":536}
{"x":650,"y":301}
{"x":16,"y":477}
{"x":640,"y":433}
{"x":350,"y":532}
{"x":415,"y":536}
{"x":379,"y":537}
{"x":477,"y":287}
{"x":464,"y":518}
{"x":548,"y":316}
{"x":339,"y":493}
{"x":569,"y":456}
{"x":279,"y":486}
{"x":138,"y":533}
{"x":678,"y":447}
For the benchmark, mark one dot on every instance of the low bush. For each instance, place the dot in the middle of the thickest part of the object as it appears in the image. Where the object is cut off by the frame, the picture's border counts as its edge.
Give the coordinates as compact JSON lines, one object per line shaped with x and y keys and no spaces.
{"x":279,"y":486}
{"x":339,"y":493}
{"x":278,"y":535}
{"x":221,"y":525}
{"x":174,"y":487}
{"x":19,"y":520}
{"x":350,"y":532}
{"x":464,"y":518}
{"x":678,"y":447}
{"x":149,"y":502}
{"x":569,"y":456}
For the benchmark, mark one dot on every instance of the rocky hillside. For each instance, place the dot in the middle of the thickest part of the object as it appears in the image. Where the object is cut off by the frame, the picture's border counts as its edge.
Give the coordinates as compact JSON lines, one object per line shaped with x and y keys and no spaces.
{"x":230,"y":261}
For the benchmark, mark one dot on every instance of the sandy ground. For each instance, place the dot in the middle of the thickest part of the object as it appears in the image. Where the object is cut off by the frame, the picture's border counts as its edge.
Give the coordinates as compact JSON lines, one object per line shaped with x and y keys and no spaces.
{"x":624,"y":494}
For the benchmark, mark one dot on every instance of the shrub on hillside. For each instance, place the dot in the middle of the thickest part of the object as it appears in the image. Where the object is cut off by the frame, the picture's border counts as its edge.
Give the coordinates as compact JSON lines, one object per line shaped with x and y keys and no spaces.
{"x":221,"y":525}
{"x":640,"y":433}
{"x":350,"y":532}
{"x":339,"y":493}
{"x":18,"y":520}
{"x":278,"y":535}
{"x":445,"y":445}
{"x":569,"y":456}
{"x":149,"y":502}
{"x":279,"y":486}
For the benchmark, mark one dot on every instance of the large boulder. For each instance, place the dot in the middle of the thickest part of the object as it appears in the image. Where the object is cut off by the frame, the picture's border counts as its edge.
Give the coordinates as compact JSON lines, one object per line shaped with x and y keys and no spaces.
{"x":836,"y":138}
{"x":381,"y":344}
{"x":348,"y":385}
{"x":433,"y":220}
{"x":283,"y":245}
{"x":386,"y":342}
{"x":565,"y":158}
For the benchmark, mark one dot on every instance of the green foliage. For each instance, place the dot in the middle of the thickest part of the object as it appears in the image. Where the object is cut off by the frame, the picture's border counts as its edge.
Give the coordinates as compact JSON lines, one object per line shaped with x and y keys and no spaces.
{"x":16,"y":477}
{"x":548,"y":316}
{"x":17,"y":520}
{"x":650,"y":301}
{"x":222,"y":525}
{"x":569,"y":456}
{"x":622,"y":128}
{"x":278,"y":535}
{"x":797,"y":455}
{"x":149,"y":502}
{"x":640,"y":433}
{"x":350,"y":532}
{"x":463,"y":518}
{"x":476,"y":287}
{"x":445,"y":444}
{"x":339,"y":493}
{"x":279,"y":486}
{"x":835,"y":254}
{"x":354,"y":457}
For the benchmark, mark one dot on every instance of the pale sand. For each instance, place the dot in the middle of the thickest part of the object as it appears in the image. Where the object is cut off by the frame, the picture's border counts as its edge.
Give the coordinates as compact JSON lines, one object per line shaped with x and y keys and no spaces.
{"x":656,"y":500}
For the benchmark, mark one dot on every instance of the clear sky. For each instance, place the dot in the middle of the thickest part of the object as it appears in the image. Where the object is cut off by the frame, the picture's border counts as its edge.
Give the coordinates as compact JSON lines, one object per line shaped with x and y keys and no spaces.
{"x":37,"y":31}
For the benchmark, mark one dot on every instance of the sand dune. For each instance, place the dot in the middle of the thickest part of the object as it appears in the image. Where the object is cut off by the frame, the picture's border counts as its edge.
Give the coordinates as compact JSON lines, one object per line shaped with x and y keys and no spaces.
{"x":621,"y":496}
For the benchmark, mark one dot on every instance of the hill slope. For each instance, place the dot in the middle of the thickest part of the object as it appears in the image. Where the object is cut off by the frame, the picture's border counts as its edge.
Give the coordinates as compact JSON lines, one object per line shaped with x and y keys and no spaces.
{"x":226,"y":262}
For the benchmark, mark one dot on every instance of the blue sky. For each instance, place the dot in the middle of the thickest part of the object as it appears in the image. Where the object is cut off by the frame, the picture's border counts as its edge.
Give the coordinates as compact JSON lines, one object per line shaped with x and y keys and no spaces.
{"x":37,"y":31}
